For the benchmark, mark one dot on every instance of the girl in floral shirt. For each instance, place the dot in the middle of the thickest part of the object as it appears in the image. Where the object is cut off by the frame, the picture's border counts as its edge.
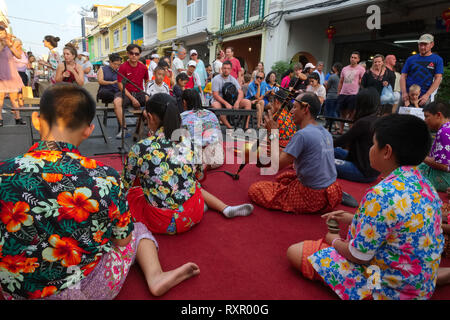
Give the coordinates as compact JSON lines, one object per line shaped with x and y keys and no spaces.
{"x":159,"y":176}
{"x":436,"y":166}
{"x":394,"y":243}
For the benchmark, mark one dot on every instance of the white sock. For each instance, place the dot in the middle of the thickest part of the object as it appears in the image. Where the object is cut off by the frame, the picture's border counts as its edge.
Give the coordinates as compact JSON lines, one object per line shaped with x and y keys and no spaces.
{"x":238,"y":211}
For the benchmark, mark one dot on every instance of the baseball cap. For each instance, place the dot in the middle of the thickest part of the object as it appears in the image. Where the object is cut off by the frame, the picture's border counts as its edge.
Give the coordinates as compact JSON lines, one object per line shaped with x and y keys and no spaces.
{"x":310,"y":65}
{"x":85,"y":53}
{"x":426,"y":38}
{"x":193,"y":51}
{"x":313,"y":101}
{"x":155,"y":56}
{"x":192,"y":63}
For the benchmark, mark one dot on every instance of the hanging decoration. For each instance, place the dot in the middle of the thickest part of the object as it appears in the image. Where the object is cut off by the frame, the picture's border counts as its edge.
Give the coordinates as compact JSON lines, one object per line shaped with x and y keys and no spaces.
{"x":331,"y":31}
{"x":446,"y":17}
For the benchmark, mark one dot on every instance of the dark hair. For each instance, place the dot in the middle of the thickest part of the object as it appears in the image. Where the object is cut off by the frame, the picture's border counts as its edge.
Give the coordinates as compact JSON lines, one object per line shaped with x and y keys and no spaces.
{"x":158,"y":68}
{"x":268,"y":76}
{"x":338,"y":66}
{"x":314,"y":103}
{"x":231,"y":48}
{"x":288,"y":72}
{"x":227,"y":62}
{"x":193,"y":99}
{"x":438,"y":106}
{"x":163,"y":64}
{"x":314,"y":76}
{"x":134,"y":46}
{"x":356,"y":52}
{"x":52,"y":40}
{"x":367,"y":102}
{"x":71,"y":48}
{"x":247,"y":77}
{"x":408,"y":136}
{"x":165,"y":108}
{"x":67,"y":102}
{"x":113,"y":57}
{"x":182,"y":77}
{"x":398,"y":67}
{"x":385,"y":109}
{"x":2,"y":28}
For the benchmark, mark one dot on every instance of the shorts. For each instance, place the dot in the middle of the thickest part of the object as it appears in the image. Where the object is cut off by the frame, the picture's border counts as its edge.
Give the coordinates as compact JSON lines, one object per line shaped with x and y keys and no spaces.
{"x":107,"y":96}
{"x":24,"y":77}
{"x":346,"y":103}
{"x":140,"y":96}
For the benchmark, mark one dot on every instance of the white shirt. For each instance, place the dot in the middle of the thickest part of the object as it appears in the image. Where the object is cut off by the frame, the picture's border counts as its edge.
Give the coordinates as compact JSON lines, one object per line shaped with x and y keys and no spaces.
{"x":217,"y":65}
{"x":151,"y":69}
{"x":176,"y":65}
{"x":154,"y":88}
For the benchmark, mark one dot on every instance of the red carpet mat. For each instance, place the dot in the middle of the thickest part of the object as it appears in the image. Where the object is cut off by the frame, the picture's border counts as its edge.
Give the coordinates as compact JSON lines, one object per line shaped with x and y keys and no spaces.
{"x":242,"y":258}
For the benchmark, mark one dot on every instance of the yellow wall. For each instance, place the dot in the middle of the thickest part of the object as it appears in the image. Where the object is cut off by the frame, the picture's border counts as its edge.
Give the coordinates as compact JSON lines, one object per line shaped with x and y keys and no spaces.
{"x":167,"y":18}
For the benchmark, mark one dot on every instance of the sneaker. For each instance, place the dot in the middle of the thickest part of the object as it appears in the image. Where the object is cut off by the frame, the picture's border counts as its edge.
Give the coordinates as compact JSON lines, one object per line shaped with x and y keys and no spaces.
{"x":127,"y":134}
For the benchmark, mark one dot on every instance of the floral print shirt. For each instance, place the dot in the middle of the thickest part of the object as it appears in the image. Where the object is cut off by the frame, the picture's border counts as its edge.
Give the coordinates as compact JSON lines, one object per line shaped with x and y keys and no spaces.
{"x":58,"y":214}
{"x":164,"y":170}
{"x":54,"y":60}
{"x":287,"y":127}
{"x":398,"y":228}
{"x":203,"y":126}
{"x":441,"y":146}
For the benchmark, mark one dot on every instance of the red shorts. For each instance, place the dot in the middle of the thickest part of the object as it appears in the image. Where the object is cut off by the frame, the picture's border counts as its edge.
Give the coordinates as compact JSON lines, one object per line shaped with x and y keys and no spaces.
{"x":166,"y":221}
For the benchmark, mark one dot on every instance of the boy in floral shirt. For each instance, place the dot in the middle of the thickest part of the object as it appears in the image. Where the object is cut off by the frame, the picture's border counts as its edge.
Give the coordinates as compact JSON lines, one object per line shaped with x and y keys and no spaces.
{"x":394,"y":243}
{"x":436,"y":166}
{"x":65,"y":228}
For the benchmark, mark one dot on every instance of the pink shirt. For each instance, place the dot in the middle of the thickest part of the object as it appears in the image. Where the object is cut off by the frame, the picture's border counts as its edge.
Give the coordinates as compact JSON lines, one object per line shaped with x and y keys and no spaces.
{"x":236,"y":67}
{"x":352,"y":79}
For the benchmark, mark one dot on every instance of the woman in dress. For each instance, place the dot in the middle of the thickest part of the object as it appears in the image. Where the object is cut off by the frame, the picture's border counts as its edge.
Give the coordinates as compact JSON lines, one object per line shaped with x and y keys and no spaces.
{"x":54,"y":59}
{"x":69,"y":71}
{"x":10,"y":81}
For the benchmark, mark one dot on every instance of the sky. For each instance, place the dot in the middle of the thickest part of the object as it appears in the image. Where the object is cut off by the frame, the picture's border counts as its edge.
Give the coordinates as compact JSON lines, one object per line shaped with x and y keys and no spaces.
{"x":59,"y":18}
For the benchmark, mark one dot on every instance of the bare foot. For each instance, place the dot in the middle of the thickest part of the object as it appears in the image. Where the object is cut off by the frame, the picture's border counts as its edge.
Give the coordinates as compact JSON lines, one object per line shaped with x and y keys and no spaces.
{"x":165,"y":281}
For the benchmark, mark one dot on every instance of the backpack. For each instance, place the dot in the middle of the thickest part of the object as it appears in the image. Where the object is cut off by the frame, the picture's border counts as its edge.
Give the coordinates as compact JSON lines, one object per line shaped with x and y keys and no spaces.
{"x":230,"y":93}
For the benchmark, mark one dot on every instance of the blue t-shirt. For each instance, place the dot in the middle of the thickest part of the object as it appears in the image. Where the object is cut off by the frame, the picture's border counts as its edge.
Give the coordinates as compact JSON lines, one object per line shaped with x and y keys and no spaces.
{"x":421,"y":71}
{"x":312,"y":148}
{"x":252,"y":89}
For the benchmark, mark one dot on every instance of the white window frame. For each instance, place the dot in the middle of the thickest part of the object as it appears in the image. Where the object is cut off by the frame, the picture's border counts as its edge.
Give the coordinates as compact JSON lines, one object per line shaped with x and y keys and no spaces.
{"x":124,"y":35}
{"x":196,"y":10}
{"x":116,"y":38}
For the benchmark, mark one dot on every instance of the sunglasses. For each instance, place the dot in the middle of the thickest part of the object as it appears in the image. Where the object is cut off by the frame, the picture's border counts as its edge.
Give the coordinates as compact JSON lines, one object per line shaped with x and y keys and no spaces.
{"x":136,"y":54}
{"x":260,"y":78}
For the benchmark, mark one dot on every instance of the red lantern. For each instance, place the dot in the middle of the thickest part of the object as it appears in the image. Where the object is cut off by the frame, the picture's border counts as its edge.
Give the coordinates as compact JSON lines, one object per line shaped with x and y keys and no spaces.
{"x":331,"y":31}
{"x":446,"y":17}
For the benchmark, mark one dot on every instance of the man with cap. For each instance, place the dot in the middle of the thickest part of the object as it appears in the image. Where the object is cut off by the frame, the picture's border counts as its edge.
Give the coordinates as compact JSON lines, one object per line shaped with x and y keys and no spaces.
{"x":424,"y":69}
{"x":201,"y":69}
{"x":88,"y":68}
{"x":194,"y":79}
{"x":312,"y":187}
{"x":153,"y":64}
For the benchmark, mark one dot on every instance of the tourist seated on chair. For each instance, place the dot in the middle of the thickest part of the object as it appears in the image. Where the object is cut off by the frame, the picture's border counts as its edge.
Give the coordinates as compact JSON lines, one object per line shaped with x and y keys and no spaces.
{"x":107,"y":80}
{"x":256,"y":93}
{"x":204,"y":129}
{"x":436,"y":166}
{"x":159,"y":176}
{"x":352,"y":148}
{"x":394,"y":242}
{"x":65,"y":228}
{"x":286,"y":125}
{"x":237,"y":101}
{"x":312,"y":187}
{"x":137,"y":74}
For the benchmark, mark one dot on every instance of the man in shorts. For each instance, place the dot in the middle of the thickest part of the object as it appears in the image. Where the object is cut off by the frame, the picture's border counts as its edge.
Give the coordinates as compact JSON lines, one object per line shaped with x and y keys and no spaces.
{"x":348,"y":88}
{"x":135,"y":96}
